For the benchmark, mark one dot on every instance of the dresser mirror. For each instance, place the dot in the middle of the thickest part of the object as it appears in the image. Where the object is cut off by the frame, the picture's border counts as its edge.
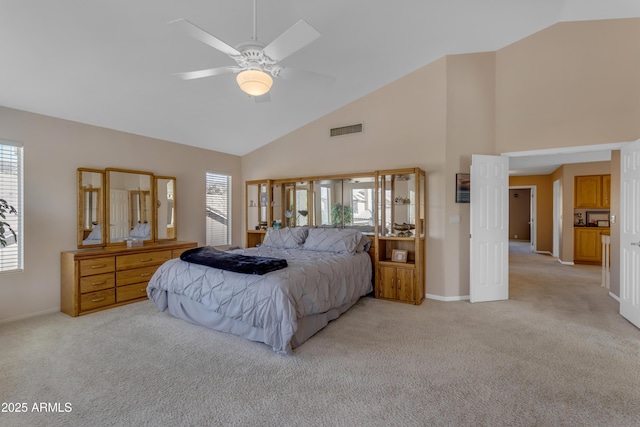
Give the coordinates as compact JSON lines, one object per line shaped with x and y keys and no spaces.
{"x":130,"y":198}
{"x":90,"y":208}
{"x":166,"y":211}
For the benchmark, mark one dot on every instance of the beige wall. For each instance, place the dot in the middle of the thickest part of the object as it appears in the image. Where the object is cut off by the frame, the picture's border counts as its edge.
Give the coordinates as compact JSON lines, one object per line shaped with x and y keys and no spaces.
{"x":53,"y":150}
{"x":520,"y":214}
{"x":572,"y":84}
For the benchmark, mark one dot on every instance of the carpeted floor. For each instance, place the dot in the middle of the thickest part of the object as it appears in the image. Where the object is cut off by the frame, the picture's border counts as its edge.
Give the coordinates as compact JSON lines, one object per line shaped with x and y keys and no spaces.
{"x":556,"y":354}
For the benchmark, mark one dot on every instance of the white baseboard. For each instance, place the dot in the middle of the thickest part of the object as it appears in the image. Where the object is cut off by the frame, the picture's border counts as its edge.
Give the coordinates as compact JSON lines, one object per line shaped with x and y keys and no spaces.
{"x":614,"y":296}
{"x":566,"y":262}
{"x":544,"y":252}
{"x":27,"y":316}
{"x":447,"y":299}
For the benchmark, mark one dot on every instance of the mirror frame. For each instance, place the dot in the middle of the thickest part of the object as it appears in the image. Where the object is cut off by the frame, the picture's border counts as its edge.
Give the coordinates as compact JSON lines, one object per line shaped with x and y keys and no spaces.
{"x":152,"y":221}
{"x":80,"y":202}
{"x":158,"y":205}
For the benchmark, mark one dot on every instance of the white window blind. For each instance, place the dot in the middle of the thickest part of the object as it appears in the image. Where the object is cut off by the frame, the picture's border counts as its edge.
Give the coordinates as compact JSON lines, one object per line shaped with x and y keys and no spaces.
{"x":218,"y":205}
{"x":11,"y":256}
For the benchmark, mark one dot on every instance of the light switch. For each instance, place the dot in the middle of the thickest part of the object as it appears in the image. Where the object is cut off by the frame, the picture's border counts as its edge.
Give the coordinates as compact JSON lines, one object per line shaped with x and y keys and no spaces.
{"x":613,"y":219}
{"x":454,"y":219}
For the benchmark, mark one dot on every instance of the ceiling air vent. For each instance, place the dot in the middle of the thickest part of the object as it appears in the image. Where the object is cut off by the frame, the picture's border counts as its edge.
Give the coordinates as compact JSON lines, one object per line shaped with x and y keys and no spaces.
{"x":346,"y":130}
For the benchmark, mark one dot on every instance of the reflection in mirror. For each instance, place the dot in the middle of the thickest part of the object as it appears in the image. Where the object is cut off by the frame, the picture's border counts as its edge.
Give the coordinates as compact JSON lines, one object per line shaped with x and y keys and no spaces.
{"x":296,"y":213}
{"x":166,"y":213}
{"x":359,"y":203}
{"x":130,"y":205}
{"x":90,"y":208}
{"x":348,"y":202}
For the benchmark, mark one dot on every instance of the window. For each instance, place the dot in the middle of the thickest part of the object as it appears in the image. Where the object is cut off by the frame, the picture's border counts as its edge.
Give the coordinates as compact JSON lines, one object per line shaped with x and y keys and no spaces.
{"x":218,"y":205}
{"x":11,"y":256}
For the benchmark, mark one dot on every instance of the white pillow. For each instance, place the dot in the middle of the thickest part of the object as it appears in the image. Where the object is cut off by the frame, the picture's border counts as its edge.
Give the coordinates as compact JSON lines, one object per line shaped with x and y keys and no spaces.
{"x":285,"y":238}
{"x":96,"y":233}
{"x":141,"y":231}
{"x":336,"y":240}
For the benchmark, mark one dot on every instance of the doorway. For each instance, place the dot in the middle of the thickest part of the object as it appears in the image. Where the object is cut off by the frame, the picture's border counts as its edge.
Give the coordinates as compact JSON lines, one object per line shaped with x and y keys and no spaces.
{"x":522,"y":214}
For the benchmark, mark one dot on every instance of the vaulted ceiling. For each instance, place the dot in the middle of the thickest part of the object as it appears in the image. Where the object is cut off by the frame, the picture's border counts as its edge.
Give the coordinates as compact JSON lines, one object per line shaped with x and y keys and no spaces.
{"x":112,"y":63}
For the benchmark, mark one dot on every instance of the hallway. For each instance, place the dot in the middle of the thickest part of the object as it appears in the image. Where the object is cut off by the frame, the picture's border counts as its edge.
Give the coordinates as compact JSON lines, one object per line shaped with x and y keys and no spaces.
{"x":562,"y":291}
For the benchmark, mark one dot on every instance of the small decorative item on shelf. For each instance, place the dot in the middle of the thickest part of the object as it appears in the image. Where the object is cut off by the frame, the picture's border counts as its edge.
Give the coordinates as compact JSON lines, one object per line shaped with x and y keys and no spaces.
{"x":398,"y":255}
{"x":262,"y":225}
{"x":404,"y":229}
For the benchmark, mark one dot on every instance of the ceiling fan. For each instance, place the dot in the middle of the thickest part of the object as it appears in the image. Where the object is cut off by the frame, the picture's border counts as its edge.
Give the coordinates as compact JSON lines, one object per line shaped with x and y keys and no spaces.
{"x":257,"y":64}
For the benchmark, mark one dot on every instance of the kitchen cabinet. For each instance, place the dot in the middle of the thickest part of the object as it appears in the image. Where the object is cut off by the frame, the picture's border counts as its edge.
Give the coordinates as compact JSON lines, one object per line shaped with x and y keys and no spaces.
{"x":588,"y":244}
{"x":592,"y":191}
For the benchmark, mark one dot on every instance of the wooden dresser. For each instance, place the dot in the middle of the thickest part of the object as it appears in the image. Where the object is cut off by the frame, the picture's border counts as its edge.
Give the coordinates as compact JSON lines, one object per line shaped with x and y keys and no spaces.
{"x":99,"y":279}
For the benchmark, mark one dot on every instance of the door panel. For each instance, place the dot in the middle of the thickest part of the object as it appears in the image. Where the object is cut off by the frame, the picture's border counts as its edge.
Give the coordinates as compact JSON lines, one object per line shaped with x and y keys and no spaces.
{"x":489,"y":267}
{"x":404,"y":284}
{"x":630,"y":232}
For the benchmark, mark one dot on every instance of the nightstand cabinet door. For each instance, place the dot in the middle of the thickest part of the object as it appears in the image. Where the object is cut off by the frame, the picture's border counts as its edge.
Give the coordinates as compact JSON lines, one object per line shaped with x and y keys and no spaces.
{"x":387,"y":283}
{"x":397,"y":283}
{"x":405,"y":285}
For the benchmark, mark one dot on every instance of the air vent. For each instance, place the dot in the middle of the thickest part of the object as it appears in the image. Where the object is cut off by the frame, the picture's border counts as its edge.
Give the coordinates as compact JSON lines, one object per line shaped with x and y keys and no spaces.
{"x":346,"y":130}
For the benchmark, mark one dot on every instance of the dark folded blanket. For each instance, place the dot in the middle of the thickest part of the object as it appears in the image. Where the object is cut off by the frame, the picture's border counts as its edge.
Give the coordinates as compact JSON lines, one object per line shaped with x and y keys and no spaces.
{"x":211,"y":257}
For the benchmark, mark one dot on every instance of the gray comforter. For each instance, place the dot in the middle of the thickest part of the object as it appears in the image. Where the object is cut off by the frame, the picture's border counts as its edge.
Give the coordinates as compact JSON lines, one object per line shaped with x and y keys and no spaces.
{"x":267,"y":307}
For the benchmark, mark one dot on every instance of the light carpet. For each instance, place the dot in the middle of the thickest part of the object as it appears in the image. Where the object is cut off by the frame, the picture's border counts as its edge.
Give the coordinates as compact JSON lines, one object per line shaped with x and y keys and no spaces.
{"x":556,"y":354}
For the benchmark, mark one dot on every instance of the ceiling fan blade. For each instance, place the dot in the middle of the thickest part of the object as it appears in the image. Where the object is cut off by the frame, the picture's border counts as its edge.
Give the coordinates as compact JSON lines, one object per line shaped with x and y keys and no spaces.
{"x":292,"y":40}
{"x":190,"y":75}
{"x":198,"y":33}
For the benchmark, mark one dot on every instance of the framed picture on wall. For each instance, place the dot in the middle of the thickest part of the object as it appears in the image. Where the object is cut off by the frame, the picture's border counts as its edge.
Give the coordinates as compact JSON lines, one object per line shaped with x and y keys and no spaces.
{"x":463,"y":188}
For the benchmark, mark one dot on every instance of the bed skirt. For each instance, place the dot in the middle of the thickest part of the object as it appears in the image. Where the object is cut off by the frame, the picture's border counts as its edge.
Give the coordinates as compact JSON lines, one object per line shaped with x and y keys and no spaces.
{"x":194,"y":312}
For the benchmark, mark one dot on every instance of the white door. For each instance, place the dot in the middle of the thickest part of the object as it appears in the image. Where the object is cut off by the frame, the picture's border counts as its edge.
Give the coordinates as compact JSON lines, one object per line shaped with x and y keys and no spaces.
{"x":489,"y":267}
{"x":630,"y":232}
{"x":557,"y":202}
{"x":119,"y":214}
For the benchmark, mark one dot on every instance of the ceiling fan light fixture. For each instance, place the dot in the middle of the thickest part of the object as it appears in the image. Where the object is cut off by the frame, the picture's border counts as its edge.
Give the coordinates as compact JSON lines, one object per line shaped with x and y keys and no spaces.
{"x":254,"y":82}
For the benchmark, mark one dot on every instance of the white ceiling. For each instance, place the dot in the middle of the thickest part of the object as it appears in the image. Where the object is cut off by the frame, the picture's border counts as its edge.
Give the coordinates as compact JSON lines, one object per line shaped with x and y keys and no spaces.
{"x":110,"y":63}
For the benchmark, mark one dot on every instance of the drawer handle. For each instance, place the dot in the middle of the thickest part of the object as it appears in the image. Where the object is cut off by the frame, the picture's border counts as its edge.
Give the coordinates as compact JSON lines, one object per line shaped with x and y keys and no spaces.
{"x":99,"y":266}
{"x":143,"y":290}
{"x":145,"y":274}
{"x":98,"y":299}
{"x":146,"y":260}
{"x":98,"y":283}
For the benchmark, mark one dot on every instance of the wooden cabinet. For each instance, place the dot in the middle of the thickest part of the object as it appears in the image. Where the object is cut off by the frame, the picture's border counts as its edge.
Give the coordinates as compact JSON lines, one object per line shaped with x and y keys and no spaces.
{"x":592,"y":191}
{"x":400,"y":236}
{"x":397,"y":283}
{"x":98,"y":279}
{"x":588,"y":244}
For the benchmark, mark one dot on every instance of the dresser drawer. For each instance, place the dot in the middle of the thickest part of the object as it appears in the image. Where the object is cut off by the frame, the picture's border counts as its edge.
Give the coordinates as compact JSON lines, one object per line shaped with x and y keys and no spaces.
{"x":129,"y":292}
{"x":89,"y":267}
{"x":135,"y":275}
{"x":97,"y":282}
{"x":97,"y":299}
{"x":125,"y":262}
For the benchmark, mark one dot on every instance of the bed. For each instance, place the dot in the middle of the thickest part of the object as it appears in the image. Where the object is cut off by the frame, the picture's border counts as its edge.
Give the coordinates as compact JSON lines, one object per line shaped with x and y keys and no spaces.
{"x":326,"y":272}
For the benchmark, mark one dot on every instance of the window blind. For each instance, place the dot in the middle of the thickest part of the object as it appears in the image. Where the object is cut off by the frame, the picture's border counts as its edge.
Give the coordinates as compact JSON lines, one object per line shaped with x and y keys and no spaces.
{"x":218,"y":205}
{"x":11,"y":171}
